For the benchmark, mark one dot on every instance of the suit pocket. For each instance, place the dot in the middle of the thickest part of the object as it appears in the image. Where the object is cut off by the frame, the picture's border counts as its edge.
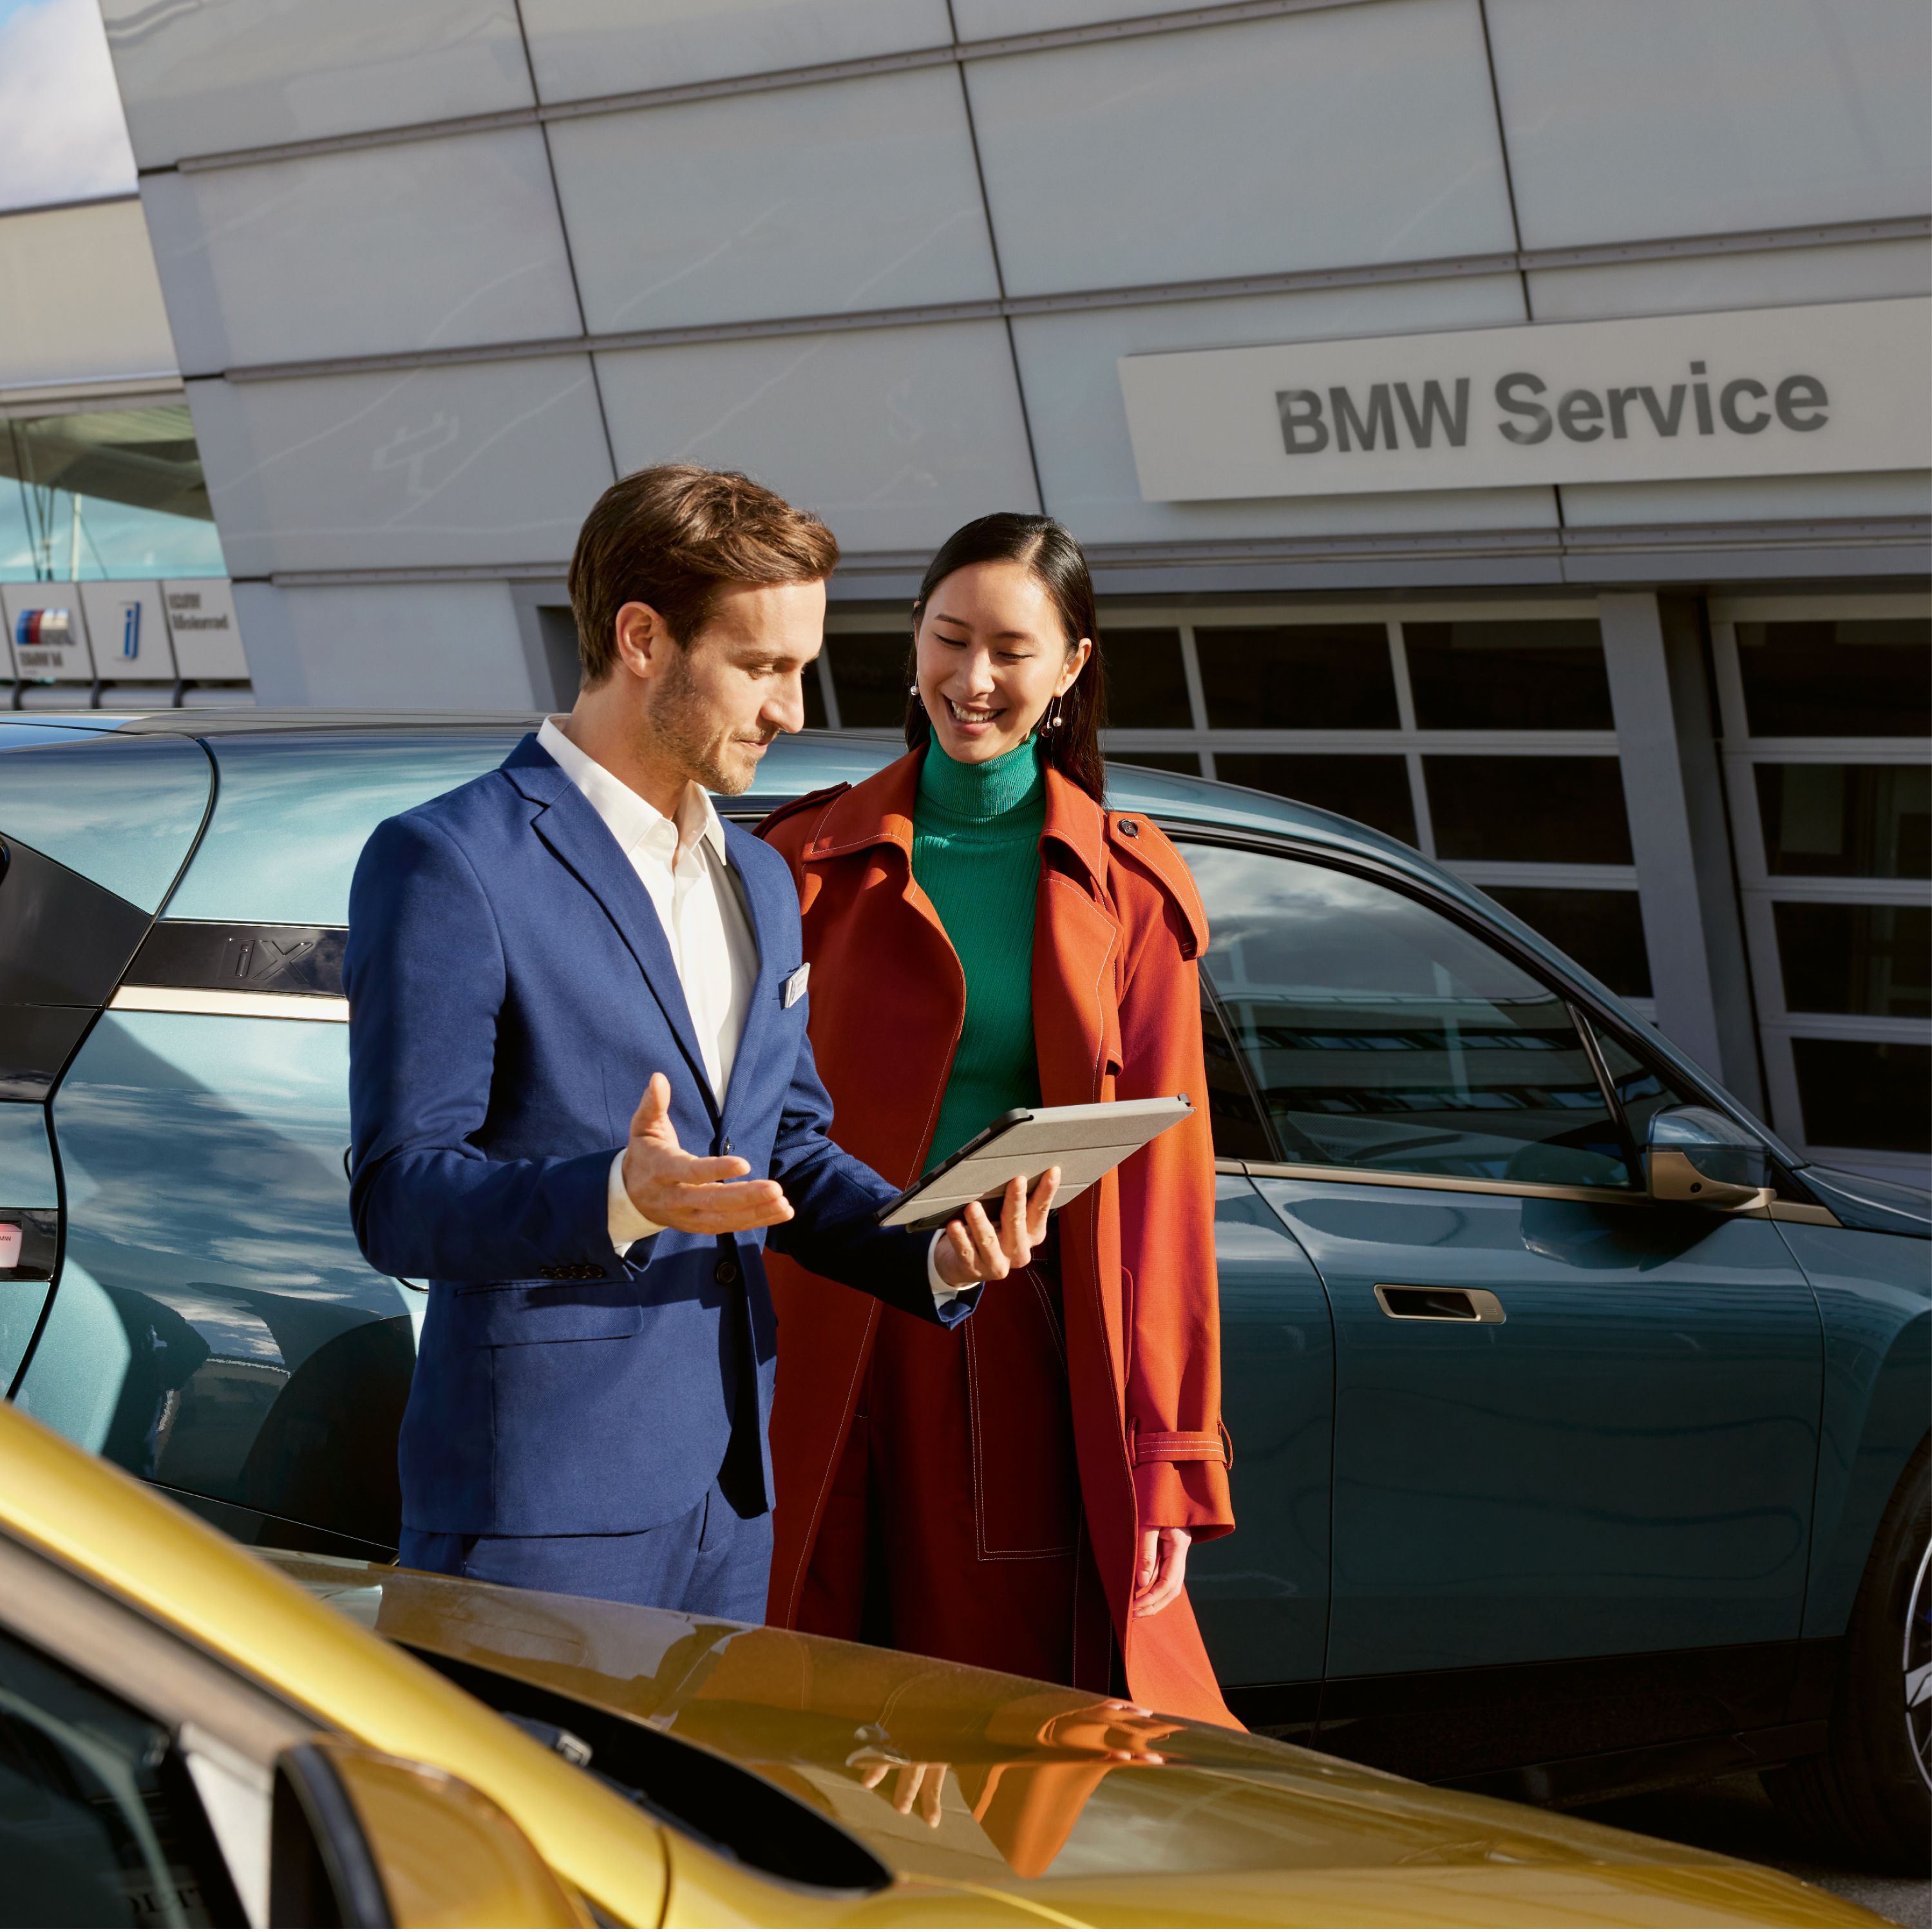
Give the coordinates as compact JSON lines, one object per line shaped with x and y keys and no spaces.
{"x":519,"y":1312}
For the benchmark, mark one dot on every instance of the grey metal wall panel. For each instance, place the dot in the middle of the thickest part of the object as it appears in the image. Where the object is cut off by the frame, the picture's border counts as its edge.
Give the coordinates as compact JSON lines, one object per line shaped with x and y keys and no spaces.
{"x":581,"y":48}
{"x":859,"y":194}
{"x":242,"y":73}
{"x":1688,"y":117}
{"x":895,"y":436}
{"x":1350,"y":134}
{"x":475,"y":465}
{"x":425,"y":245}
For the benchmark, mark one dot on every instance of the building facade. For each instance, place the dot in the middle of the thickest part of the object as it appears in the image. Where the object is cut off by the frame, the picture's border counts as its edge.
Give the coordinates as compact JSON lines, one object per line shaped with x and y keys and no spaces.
{"x":1502,"y":421}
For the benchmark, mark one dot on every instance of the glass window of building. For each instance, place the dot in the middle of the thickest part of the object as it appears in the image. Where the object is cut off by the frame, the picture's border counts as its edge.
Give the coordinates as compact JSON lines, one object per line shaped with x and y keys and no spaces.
{"x":104,"y":495}
{"x":1520,"y":676}
{"x":1826,"y":710}
{"x":1481,"y":735}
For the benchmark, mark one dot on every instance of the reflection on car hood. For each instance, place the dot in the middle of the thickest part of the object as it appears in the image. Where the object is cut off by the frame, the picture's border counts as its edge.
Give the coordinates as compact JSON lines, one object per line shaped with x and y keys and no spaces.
{"x":1084,"y":1807}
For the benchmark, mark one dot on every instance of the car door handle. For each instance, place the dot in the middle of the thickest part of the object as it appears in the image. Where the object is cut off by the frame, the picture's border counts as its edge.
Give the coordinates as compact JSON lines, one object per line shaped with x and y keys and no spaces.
{"x":1439,"y":1304}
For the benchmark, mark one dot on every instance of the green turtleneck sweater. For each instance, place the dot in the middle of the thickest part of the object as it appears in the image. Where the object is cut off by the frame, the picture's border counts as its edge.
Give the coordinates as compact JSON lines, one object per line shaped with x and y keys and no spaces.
{"x":976,"y":855}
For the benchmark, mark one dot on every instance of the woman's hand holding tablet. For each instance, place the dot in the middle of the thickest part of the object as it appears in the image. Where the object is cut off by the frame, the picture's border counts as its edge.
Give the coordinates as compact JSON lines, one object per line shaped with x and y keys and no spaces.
{"x":1083,"y":1142}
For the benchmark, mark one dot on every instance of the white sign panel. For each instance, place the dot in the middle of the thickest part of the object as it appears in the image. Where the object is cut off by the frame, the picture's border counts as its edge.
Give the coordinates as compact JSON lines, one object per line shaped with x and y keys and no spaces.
{"x":46,"y":632}
{"x":1760,"y":392}
{"x":201,"y":616}
{"x":129,"y":631}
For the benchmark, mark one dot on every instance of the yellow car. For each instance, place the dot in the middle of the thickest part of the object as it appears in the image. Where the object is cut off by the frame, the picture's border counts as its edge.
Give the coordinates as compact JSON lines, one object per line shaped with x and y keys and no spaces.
{"x":189,"y":1738}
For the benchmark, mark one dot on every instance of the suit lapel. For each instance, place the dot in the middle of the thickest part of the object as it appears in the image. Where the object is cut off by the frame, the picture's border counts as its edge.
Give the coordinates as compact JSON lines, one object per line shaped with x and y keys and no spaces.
{"x":769,"y":899}
{"x":568,"y":824}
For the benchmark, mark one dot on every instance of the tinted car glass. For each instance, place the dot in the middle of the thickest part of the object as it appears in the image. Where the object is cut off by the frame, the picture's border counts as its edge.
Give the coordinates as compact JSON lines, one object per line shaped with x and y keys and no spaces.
{"x":1601,"y":930}
{"x":120,"y":812}
{"x":29,"y":1201}
{"x":296,"y":809}
{"x":99,"y":1824}
{"x":1383,"y":1035}
{"x":1234,"y":1108}
{"x":1641,"y":1091}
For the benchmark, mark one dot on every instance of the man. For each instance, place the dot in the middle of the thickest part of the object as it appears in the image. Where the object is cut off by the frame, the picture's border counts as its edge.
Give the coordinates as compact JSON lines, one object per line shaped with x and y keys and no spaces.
{"x":529,"y":954}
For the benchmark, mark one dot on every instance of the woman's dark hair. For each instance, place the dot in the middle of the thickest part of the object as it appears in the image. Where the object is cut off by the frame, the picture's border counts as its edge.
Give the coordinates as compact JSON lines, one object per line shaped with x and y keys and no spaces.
{"x":1047,"y":550}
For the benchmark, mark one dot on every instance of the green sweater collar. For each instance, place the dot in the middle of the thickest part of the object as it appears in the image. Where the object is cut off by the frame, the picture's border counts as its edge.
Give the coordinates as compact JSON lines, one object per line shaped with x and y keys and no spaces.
{"x":979,"y":793}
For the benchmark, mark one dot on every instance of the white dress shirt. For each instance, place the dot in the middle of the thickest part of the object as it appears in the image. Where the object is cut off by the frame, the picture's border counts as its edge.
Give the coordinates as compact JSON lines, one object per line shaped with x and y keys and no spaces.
{"x":683,"y":865}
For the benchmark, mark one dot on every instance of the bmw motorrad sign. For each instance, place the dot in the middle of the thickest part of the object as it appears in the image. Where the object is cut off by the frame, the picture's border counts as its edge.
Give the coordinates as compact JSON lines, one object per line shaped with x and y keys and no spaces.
{"x":1831,"y":387}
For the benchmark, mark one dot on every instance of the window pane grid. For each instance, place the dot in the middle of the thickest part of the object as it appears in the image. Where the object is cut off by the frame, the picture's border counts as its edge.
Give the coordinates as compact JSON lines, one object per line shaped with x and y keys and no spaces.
{"x":1831,"y":794}
{"x":1322,"y":705}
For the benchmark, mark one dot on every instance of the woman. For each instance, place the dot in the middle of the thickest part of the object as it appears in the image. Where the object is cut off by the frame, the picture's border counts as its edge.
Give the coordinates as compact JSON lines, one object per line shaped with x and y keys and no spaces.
{"x":1019,"y":1492}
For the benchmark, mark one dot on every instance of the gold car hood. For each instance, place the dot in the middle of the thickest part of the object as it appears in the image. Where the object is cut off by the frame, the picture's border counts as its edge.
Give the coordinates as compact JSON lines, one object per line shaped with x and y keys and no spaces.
{"x":1088,"y":1811}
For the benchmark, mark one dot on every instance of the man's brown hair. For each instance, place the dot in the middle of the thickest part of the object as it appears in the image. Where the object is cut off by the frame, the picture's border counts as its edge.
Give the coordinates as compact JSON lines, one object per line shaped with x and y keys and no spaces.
{"x":673,"y":536}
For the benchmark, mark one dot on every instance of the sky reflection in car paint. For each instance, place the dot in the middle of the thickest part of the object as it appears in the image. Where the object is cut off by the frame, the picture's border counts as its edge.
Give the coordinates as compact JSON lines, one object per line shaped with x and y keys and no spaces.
{"x":209,"y":1221}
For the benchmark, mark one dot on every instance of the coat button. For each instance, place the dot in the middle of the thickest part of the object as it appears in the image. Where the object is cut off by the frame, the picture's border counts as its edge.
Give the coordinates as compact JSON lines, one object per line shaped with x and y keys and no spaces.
{"x":725,"y":1273}
{"x":1128,"y":828}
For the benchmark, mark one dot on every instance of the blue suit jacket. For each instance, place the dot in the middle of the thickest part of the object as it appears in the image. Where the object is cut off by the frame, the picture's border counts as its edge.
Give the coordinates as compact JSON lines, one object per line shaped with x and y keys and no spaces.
{"x":511,"y":992}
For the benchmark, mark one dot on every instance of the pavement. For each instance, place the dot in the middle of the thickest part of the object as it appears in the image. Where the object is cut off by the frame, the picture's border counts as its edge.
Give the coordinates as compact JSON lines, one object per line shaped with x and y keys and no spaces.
{"x":1733,"y":1815}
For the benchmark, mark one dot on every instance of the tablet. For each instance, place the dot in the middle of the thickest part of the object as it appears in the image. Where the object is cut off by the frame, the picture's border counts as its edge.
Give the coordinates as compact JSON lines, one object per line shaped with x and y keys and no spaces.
{"x":1083,"y":1142}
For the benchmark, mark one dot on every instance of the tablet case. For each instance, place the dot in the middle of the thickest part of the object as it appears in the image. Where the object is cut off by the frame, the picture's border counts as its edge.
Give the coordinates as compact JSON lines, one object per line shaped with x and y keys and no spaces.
{"x":1084,"y":1142}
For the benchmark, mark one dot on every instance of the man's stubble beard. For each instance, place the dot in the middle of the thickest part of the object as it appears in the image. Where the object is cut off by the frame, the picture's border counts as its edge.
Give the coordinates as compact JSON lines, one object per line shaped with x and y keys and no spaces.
{"x":683,"y":726}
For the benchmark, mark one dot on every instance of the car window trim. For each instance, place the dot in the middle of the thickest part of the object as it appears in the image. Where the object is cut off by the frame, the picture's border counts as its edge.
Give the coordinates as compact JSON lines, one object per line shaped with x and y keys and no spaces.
{"x":1619,"y":1113}
{"x":207,"y":1001}
{"x":1211,"y":994}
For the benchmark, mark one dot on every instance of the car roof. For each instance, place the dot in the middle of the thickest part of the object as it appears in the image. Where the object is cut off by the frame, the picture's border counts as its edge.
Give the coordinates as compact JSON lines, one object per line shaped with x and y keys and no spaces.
{"x":811,"y":761}
{"x":806,"y":762}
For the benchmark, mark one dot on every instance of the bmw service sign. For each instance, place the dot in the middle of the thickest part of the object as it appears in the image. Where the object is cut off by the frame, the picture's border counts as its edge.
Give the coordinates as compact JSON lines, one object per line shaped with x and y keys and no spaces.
{"x":1837,"y":387}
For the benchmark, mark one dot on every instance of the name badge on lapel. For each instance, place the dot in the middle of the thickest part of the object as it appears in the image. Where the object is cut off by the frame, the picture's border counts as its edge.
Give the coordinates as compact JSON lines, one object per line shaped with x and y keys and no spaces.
{"x":793,"y":991}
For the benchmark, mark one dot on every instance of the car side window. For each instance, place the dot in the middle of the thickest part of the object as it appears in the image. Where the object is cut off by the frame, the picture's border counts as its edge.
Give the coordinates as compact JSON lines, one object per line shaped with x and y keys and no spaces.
{"x":1640,"y":1090}
{"x":1234,"y":1109}
{"x":99,"y":1821}
{"x":1382,"y":1035}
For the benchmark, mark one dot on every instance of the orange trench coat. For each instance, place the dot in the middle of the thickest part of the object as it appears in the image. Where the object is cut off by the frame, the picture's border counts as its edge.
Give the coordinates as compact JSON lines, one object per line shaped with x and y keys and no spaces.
{"x":1116,"y":998}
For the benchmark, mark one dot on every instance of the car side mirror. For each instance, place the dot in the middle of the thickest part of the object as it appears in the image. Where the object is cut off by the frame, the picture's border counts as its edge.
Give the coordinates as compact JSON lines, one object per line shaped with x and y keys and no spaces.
{"x":356,"y":1838}
{"x":1695,"y":1154}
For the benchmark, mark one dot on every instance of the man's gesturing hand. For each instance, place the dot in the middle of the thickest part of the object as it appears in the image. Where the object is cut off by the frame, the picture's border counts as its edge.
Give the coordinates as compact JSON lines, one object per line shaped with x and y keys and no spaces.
{"x":694,"y":1193}
{"x":972,"y":1249}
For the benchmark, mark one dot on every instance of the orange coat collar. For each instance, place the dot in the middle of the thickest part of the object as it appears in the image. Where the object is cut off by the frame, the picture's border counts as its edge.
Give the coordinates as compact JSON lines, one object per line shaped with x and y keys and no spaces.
{"x":880,"y":812}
